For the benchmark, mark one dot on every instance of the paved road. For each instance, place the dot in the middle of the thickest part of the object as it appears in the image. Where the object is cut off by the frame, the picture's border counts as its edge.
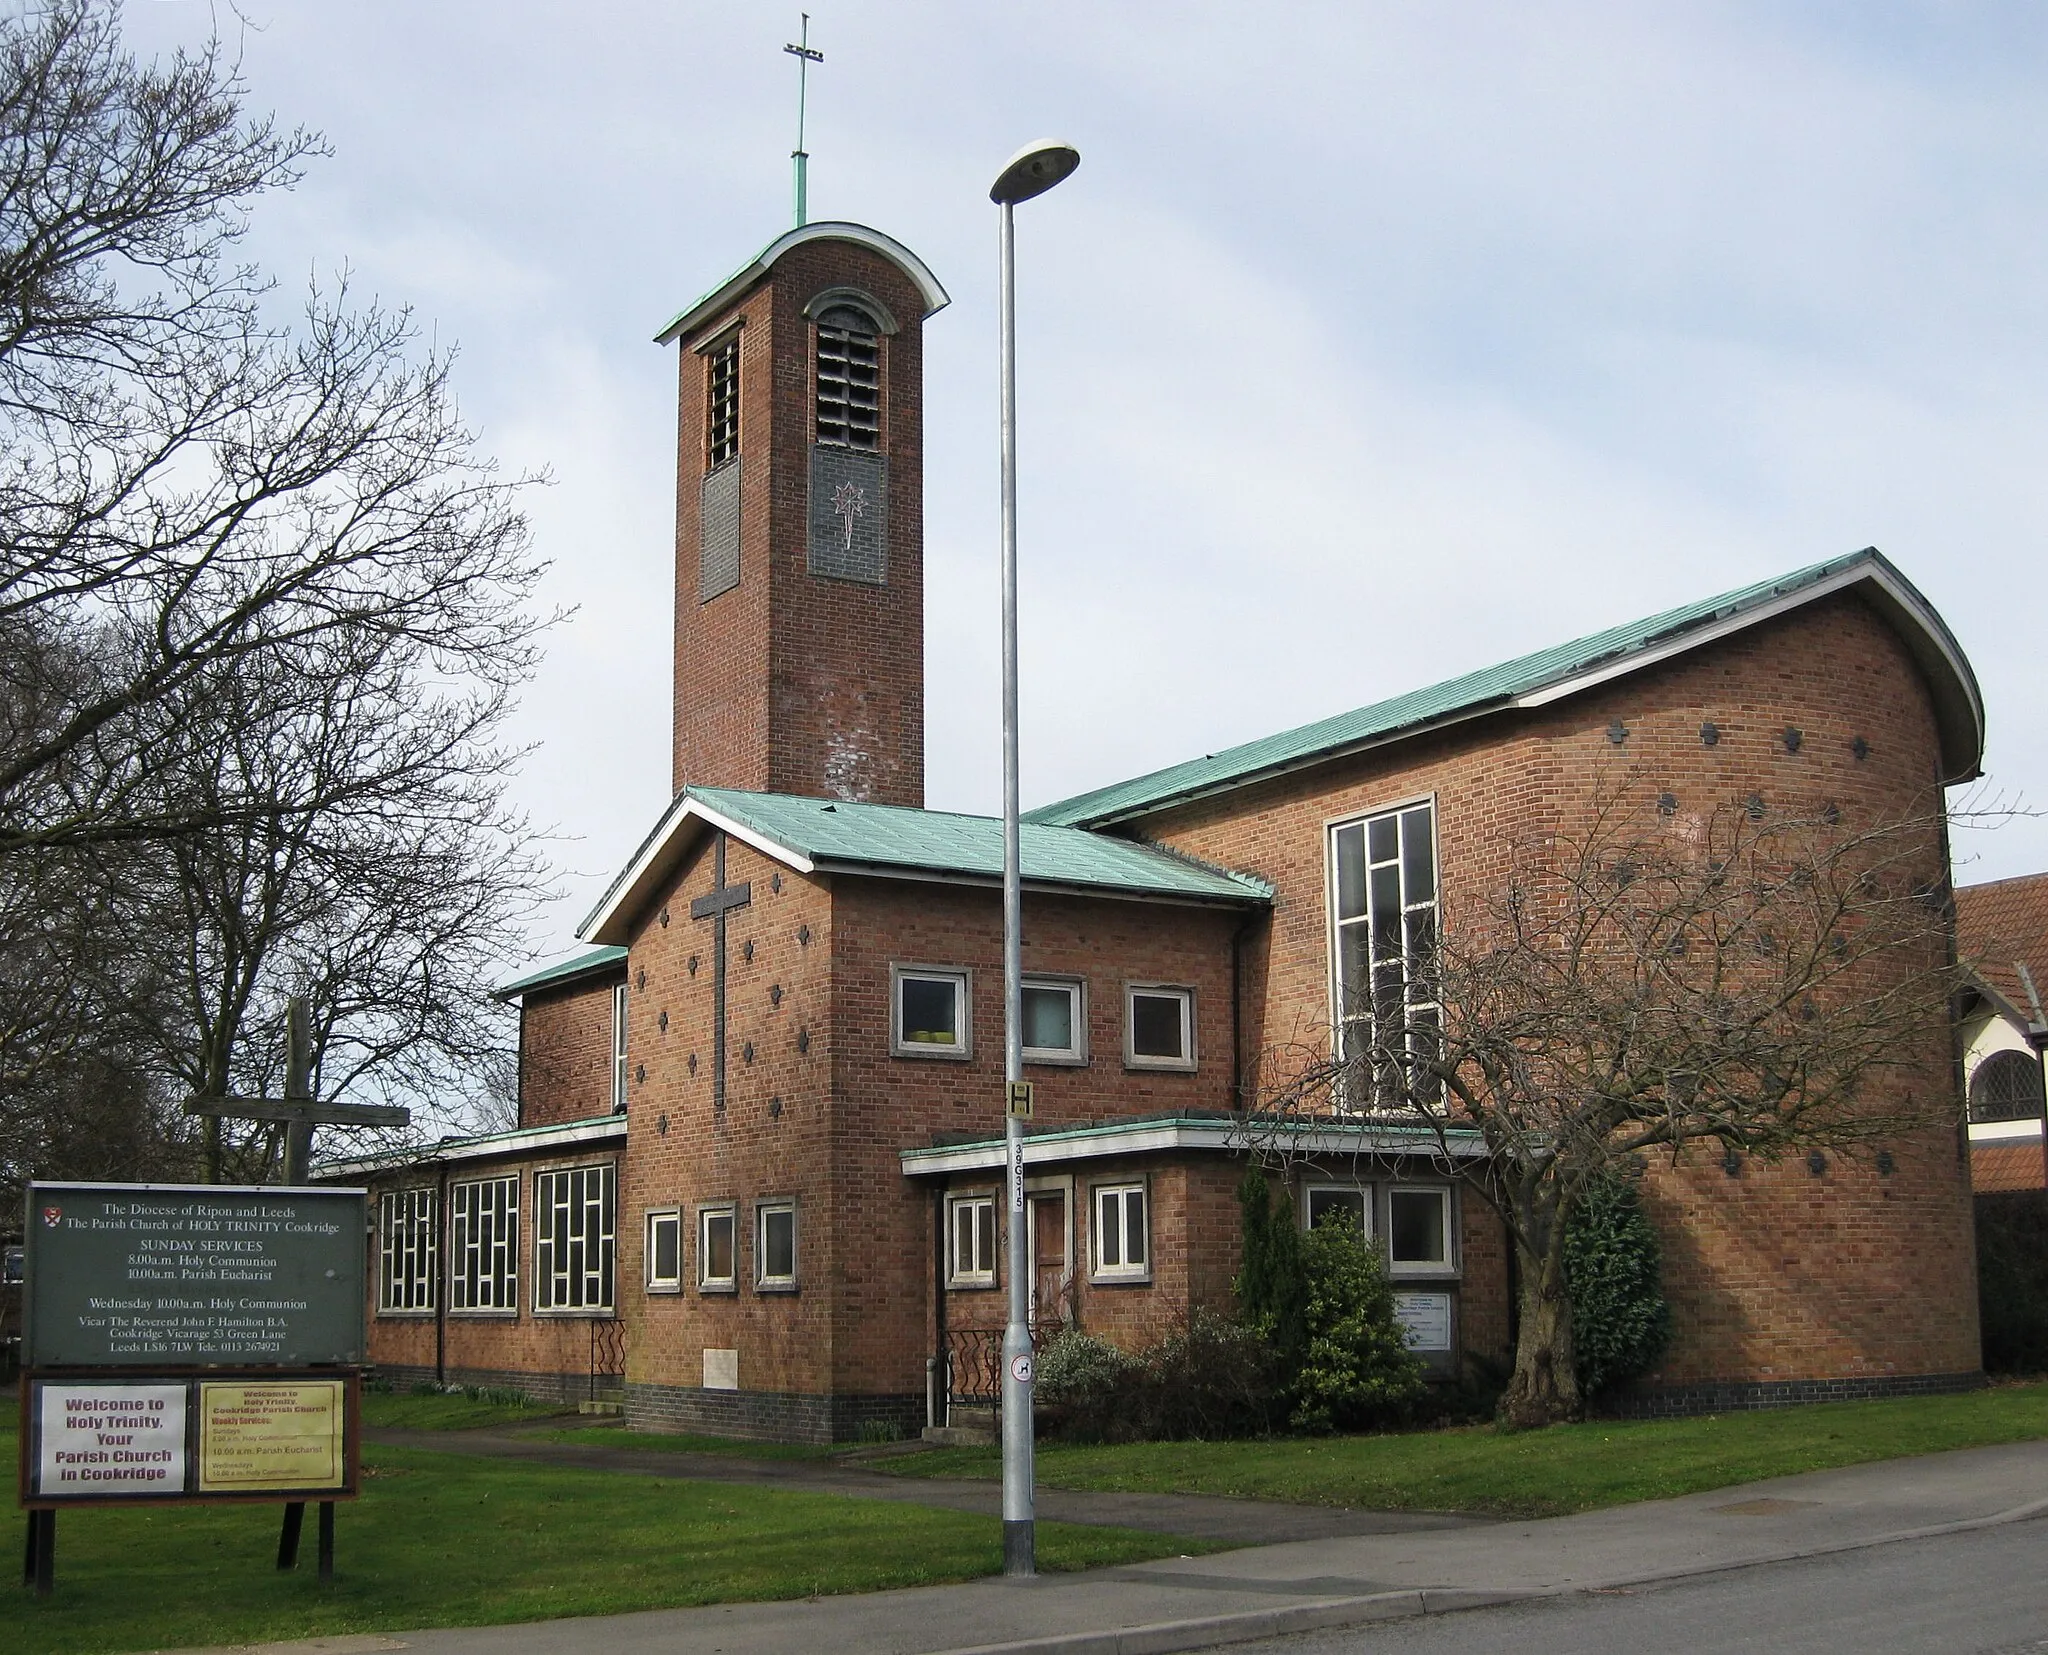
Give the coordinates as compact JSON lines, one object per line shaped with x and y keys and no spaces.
{"x":1979,"y":1593}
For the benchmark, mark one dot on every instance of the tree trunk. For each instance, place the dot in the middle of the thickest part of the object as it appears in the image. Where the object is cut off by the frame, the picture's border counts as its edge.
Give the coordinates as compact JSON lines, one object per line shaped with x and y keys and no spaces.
{"x":1545,"y":1386}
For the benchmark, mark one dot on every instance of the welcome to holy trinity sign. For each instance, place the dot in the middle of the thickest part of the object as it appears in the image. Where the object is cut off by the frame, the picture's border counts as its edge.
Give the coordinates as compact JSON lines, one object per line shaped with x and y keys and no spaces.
{"x":191,"y":1342}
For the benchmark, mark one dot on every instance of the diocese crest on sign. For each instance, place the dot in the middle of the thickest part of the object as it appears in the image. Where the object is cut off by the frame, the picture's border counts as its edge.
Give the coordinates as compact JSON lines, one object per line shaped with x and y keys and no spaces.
{"x":52,"y":1217}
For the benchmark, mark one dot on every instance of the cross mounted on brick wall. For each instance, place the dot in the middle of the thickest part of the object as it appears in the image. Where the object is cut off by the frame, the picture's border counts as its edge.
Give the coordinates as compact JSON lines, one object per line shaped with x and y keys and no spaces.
{"x":715,"y":905}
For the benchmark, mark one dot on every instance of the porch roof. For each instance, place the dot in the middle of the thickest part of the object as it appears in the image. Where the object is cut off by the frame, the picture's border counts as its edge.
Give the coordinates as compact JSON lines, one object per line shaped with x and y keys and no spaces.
{"x":1213,"y":1134}
{"x":596,"y":1129}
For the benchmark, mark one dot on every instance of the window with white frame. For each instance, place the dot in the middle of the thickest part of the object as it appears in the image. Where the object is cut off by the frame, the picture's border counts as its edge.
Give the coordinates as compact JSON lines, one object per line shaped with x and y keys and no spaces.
{"x":718,"y":1247}
{"x":722,"y":404}
{"x":775,"y":1246}
{"x":849,"y":378}
{"x":930,"y":1015}
{"x":483,"y":1247}
{"x":1419,"y":1231}
{"x":574,"y":1238}
{"x":619,"y":1049}
{"x":1159,"y":1026}
{"x":1334,"y":1203}
{"x":665,"y":1250}
{"x":406,"y":1253}
{"x":1121,"y":1240}
{"x":1384,"y":916}
{"x":971,"y":1241}
{"x":1055,"y":1020}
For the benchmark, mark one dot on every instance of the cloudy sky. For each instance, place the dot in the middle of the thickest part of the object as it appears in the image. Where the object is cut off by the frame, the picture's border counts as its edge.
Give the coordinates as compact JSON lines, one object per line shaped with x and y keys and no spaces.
{"x":1372,"y":343}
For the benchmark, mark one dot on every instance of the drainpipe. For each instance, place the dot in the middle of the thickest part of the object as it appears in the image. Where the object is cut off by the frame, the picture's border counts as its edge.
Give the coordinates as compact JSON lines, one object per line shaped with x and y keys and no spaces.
{"x":937,"y":1391}
{"x":1237,"y":937}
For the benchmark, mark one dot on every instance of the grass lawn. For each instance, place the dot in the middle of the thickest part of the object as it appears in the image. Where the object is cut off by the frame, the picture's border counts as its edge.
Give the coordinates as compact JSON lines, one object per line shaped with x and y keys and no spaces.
{"x":1531,"y":1473}
{"x":435,"y":1411}
{"x":451,"y":1540}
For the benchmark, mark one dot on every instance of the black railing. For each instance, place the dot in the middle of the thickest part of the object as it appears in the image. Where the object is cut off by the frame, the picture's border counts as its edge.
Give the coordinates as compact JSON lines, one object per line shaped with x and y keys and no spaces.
{"x":974,"y":1363}
{"x":607,"y":1359}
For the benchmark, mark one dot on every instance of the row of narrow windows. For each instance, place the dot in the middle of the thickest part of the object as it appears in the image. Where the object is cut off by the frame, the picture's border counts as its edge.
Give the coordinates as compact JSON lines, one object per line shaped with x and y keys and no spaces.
{"x":847,"y":408}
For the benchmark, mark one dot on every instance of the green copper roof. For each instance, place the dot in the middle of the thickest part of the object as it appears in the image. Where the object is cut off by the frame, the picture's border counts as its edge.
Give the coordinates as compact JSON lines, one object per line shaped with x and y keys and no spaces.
{"x":890,"y":838}
{"x":562,"y":971}
{"x":1958,"y":706}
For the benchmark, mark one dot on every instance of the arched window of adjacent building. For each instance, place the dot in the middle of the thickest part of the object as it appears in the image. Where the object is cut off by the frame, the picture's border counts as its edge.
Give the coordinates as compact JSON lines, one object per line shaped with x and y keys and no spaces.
{"x":2006,"y":1087}
{"x":849,"y":376}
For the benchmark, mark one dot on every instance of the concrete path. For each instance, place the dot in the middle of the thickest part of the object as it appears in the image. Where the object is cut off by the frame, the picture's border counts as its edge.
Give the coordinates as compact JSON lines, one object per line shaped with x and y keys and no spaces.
{"x":1199,"y":1517}
{"x":1300,"y":1585}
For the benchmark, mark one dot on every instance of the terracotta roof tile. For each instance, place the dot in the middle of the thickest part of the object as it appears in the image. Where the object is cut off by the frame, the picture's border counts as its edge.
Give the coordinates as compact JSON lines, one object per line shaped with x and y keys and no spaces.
{"x":2001,"y":926}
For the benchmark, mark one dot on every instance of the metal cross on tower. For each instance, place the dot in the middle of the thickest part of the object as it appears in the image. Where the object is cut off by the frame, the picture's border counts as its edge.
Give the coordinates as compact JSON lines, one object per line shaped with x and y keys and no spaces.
{"x":297,"y":1109}
{"x":715,"y":906}
{"x":805,"y":56}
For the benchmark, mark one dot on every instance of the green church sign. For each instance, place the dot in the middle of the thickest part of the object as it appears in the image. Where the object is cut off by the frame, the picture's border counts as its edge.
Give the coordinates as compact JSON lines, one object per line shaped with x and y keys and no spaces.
{"x":193,"y":1275}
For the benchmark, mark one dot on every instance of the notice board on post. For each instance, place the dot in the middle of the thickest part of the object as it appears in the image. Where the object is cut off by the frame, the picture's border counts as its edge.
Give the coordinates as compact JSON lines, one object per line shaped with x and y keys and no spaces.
{"x":191,"y":1342}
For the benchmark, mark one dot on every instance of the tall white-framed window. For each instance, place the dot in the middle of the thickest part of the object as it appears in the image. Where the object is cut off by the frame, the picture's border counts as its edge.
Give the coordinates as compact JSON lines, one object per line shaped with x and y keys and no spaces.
{"x":970,"y":1241}
{"x":619,"y":994}
{"x":718,"y":1248}
{"x":665,"y":1250}
{"x":1384,"y":923}
{"x":1419,"y":1240}
{"x":1329,"y":1203}
{"x":930,"y":1011}
{"x":575,"y":1240}
{"x":1159,"y":1026}
{"x":483,"y":1247}
{"x":775,"y":1246}
{"x":406,"y":1252}
{"x":1121,"y":1243}
{"x":1055,"y":1020}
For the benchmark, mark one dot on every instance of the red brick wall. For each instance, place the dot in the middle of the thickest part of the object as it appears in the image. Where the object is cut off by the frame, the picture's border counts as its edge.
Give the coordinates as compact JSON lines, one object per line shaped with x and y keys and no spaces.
{"x":1777,"y":1274}
{"x":789,"y":682}
{"x":565,"y":1053}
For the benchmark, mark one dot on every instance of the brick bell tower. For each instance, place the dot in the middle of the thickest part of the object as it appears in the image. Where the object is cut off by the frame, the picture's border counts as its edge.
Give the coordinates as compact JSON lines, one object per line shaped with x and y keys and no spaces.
{"x":799,"y":621}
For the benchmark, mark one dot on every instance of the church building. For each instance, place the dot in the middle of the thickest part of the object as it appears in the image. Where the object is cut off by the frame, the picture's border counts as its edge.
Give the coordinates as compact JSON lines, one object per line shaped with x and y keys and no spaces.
{"x":755,"y":1187}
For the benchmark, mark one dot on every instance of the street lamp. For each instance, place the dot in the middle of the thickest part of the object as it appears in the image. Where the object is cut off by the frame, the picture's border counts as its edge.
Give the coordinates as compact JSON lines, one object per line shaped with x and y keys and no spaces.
{"x":1032,"y":171}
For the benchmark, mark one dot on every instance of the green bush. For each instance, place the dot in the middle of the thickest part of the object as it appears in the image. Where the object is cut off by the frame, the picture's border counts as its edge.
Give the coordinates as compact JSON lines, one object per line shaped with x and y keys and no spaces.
{"x":1621,"y":1324}
{"x":1084,"y":1384}
{"x":1356,"y":1370}
{"x":1210,"y":1378}
{"x":2012,"y":1281}
{"x":1272,"y":1290}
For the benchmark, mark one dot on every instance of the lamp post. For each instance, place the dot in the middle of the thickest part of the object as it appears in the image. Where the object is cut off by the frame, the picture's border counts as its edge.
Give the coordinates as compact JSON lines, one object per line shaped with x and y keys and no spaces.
{"x":1032,"y":171}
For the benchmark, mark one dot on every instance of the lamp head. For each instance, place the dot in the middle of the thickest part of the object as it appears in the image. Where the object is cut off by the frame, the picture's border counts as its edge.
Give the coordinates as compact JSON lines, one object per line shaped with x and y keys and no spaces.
{"x":1033,"y":170}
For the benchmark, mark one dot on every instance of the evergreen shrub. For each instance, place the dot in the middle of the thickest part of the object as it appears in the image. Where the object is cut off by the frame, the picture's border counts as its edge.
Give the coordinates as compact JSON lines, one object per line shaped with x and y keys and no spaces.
{"x":1356,"y":1371}
{"x":1621,"y":1324}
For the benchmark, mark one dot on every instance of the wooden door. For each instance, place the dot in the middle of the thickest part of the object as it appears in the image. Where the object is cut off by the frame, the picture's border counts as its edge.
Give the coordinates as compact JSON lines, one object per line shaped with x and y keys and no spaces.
{"x":1050,"y":1268}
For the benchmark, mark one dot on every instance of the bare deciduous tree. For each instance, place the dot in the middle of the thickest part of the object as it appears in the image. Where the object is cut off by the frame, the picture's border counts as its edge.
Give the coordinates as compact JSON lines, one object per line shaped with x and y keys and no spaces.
{"x":1744,"y":983}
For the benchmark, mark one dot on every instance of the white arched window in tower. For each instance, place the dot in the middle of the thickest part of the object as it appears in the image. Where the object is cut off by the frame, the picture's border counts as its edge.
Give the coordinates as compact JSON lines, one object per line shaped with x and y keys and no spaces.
{"x":2007,"y":1087}
{"x":849,"y":378}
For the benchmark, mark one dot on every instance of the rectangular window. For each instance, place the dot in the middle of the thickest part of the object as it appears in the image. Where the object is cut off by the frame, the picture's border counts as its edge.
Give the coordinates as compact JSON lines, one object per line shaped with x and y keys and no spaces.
{"x":849,"y":379}
{"x":1055,"y":1021}
{"x":971,"y":1241}
{"x":1350,"y":1203}
{"x":406,"y":1253}
{"x":1419,"y":1231}
{"x":665,"y":1251}
{"x":483,"y":1247}
{"x":718,"y":1249}
{"x":1384,"y":887}
{"x":574,"y":1239}
{"x":1121,"y":1242}
{"x":931,"y":1016}
{"x":619,"y":1049}
{"x":1159,"y":1027}
{"x":722,"y":411}
{"x":775,"y":1245}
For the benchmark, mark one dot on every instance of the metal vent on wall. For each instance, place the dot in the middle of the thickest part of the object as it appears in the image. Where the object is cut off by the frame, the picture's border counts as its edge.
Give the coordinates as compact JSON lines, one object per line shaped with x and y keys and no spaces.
{"x":718,"y":530}
{"x":849,"y":516}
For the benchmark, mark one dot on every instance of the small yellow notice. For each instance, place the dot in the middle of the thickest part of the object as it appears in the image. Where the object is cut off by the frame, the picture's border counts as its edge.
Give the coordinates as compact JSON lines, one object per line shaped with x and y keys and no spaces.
{"x":1020,"y":1096}
{"x":285,"y":1435}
